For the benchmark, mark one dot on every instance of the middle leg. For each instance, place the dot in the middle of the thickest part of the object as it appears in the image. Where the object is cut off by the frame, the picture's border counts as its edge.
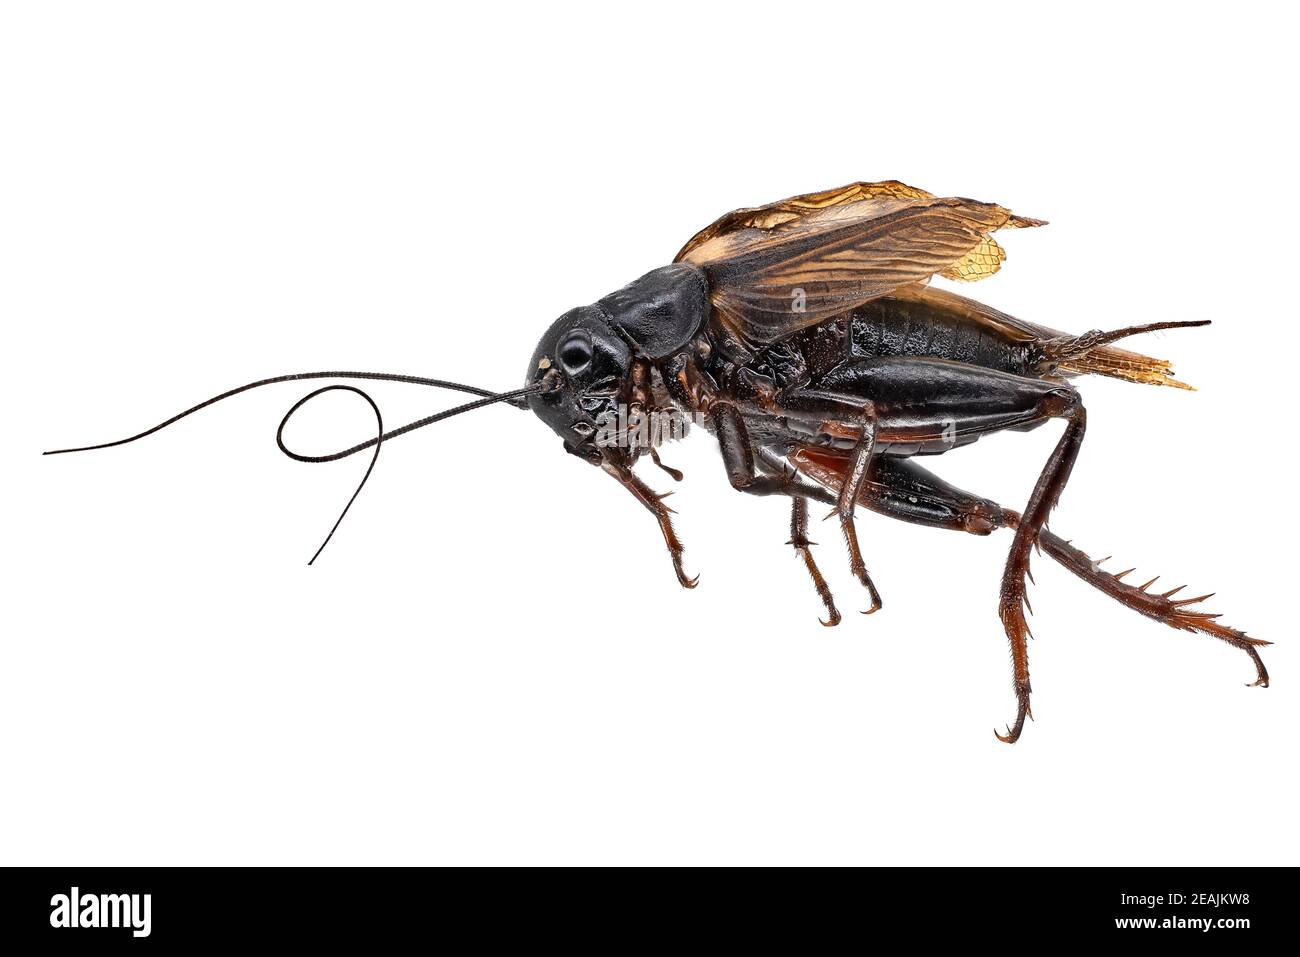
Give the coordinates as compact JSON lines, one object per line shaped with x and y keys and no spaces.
{"x":803,"y":548}
{"x":744,"y":463}
{"x":739,"y":457}
{"x":849,"y":415}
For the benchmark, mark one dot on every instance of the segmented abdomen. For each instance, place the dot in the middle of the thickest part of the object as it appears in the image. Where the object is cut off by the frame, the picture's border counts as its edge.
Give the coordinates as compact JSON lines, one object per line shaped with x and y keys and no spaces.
{"x":893,"y":327}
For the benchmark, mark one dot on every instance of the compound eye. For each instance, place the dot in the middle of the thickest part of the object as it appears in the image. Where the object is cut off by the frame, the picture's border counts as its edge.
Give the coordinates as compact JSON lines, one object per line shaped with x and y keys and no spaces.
{"x":574,"y":352}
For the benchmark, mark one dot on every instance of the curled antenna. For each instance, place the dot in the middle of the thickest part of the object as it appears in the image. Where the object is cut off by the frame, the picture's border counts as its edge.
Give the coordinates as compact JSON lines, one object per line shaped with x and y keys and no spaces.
{"x":487,"y":398}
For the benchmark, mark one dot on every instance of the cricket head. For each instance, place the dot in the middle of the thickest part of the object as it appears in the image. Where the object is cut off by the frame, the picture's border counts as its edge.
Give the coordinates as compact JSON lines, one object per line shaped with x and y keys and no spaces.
{"x":582,"y":371}
{"x":595,"y":362}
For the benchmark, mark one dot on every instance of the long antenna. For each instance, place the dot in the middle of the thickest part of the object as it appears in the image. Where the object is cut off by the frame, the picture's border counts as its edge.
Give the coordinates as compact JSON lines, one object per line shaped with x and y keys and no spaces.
{"x":488,"y":398}
{"x":381,"y":376}
{"x":377,"y":441}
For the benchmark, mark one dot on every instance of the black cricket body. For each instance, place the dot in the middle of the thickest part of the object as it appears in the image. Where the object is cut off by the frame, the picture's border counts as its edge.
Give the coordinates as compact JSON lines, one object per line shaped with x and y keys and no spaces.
{"x":804,"y":335}
{"x":933,"y":377}
{"x":589,"y":360}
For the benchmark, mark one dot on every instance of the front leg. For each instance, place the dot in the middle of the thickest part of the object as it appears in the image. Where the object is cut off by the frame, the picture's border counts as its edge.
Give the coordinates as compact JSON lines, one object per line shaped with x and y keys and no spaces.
{"x":662,"y":513}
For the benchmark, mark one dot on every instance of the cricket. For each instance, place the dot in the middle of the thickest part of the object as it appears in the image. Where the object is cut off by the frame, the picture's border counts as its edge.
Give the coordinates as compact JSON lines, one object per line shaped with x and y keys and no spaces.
{"x":806,"y":338}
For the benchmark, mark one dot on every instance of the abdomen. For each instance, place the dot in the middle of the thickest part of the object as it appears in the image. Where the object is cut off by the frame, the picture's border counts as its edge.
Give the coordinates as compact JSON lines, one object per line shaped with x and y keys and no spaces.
{"x":932,"y":323}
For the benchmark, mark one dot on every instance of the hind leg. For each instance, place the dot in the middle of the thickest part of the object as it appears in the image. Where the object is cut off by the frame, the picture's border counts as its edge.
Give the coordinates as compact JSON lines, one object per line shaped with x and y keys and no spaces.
{"x":1013,"y":601}
{"x":901,"y":489}
{"x":1158,"y":606}
{"x":932,"y":404}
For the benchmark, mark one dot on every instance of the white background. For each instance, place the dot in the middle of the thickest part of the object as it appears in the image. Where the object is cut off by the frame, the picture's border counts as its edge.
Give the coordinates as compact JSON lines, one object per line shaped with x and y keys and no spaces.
{"x":492,"y":663}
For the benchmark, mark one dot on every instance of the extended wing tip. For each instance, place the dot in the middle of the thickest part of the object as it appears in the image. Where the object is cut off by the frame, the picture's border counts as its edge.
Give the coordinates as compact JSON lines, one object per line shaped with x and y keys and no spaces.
{"x":1023,"y":222}
{"x":1162,"y":376}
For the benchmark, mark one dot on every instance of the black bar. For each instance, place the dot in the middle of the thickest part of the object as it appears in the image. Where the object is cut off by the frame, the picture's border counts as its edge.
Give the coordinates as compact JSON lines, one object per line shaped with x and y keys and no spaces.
{"x":384,"y":907}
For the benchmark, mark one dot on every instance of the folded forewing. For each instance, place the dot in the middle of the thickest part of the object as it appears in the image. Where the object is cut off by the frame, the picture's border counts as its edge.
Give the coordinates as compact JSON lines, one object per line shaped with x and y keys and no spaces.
{"x":776,"y":269}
